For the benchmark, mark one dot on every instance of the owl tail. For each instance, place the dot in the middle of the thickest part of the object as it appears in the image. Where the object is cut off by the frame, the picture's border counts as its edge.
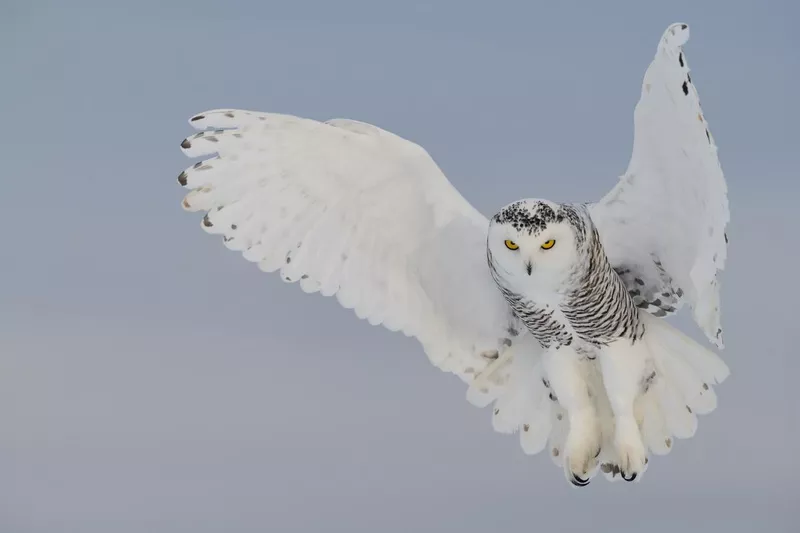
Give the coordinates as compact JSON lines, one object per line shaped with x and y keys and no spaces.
{"x":678,"y":386}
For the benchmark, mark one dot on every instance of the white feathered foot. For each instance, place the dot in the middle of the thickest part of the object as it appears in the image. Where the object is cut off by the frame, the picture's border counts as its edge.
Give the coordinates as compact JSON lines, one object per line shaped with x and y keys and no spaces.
{"x":656,"y":387}
{"x":569,"y":376}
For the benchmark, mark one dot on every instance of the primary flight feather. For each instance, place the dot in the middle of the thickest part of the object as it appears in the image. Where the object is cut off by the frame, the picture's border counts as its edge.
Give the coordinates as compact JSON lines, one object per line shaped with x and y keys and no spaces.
{"x":551,"y":312}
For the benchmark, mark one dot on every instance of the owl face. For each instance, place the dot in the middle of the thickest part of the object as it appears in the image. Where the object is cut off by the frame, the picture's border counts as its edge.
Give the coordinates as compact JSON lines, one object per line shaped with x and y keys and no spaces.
{"x":534,"y":243}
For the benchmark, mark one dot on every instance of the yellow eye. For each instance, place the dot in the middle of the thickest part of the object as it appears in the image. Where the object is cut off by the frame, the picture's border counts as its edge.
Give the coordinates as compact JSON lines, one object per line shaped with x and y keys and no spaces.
{"x":511,"y":245}
{"x":549,"y":244}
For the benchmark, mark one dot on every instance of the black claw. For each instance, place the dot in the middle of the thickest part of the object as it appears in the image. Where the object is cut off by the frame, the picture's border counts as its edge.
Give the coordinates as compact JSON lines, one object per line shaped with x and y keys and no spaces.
{"x":182,"y":179}
{"x":631,"y":478}
{"x":186,"y":144}
{"x":578,"y":481}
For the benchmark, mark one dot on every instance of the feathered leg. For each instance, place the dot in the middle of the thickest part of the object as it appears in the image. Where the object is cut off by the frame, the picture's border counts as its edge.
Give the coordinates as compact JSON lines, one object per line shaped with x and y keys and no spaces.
{"x":567,"y":374}
{"x":623,"y":365}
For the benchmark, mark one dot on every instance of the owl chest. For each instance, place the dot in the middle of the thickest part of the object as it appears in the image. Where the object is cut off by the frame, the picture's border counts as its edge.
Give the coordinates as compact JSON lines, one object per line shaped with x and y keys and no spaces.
{"x":545,"y":322}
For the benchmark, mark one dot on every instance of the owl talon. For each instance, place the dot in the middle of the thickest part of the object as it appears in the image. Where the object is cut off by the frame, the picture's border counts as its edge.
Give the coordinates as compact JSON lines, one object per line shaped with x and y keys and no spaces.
{"x":579,"y":481}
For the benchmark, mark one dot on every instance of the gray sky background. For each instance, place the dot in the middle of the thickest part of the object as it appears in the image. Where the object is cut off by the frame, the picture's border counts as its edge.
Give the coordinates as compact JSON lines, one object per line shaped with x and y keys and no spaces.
{"x":151,"y":380}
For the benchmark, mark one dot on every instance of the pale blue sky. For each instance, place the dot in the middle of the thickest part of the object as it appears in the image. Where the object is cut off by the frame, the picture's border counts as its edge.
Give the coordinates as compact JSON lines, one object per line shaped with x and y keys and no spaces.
{"x":151,"y":380}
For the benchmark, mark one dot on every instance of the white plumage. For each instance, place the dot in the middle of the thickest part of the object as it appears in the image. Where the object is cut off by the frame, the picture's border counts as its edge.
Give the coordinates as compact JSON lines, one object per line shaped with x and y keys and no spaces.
{"x":348,"y":209}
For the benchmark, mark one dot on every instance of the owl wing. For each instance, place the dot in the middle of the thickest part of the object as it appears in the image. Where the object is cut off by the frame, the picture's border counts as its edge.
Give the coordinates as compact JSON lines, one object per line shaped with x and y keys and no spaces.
{"x":663,"y":224}
{"x":349,"y":210}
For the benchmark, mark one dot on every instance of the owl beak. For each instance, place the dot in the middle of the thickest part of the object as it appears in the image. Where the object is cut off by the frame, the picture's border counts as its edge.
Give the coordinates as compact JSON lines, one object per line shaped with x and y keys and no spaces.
{"x":529,"y":267}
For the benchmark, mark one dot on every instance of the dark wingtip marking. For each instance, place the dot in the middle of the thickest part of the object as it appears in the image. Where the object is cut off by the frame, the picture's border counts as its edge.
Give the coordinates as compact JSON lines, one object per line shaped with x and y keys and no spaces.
{"x":186,"y":144}
{"x":182,"y":178}
{"x":198,"y":117}
{"x":207,"y":221}
{"x":686,"y":88}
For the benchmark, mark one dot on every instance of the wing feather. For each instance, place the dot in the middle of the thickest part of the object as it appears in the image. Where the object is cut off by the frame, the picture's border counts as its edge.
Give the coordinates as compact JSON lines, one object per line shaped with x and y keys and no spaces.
{"x":664,"y":222}
{"x":350,"y":210}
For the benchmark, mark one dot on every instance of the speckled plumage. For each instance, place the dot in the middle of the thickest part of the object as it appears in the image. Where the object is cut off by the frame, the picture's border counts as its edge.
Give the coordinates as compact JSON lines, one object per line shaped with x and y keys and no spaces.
{"x":596,"y":307}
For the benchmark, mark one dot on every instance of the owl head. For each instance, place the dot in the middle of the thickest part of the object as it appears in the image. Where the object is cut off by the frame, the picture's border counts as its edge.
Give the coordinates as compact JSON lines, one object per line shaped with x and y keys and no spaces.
{"x":537,"y":243}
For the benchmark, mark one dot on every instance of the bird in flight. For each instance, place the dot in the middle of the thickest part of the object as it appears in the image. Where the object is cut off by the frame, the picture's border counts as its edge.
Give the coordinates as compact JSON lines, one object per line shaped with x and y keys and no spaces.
{"x":552,"y":313}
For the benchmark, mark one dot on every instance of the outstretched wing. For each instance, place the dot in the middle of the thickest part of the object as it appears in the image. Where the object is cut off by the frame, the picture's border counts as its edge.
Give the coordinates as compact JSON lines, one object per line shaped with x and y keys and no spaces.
{"x":663,"y":225}
{"x":347,"y":209}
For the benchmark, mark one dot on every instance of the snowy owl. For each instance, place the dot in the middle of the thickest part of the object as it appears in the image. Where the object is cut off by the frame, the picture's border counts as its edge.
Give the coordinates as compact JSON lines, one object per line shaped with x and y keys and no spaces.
{"x":552,"y":313}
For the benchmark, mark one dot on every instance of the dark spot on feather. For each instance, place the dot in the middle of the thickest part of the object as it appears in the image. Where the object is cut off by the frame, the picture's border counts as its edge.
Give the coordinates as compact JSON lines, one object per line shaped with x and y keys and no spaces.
{"x":507,"y":342}
{"x":513,"y":332}
{"x":304,"y":276}
{"x":526,"y":427}
{"x":666,"y":294}
{"x":657,"y":302}
{"x":553,"y":397}
{"x":708,"y":136}
{"x":726,"y":237}
{"x":197,"y":165}
{"x":639,"y":281}
{"x":229,"y":114}
{"x":212,"y":139}
{"x":705,"y":386}
{"x":288,"y":259}
{"x":198,"y":117}
{"x":685,"y":88}
{"x":186,"y":144}
{"x":689,"y":409}
{"x":689,"y":77}
{"x":497,"y":411}
{"x":684,"y":26}
{"x":182,"y":178}
{"x":207,"y":222}
{"x":545,"y":383}
{"x":680,"y":58}
{"x":234,"y":226}
{"x":679,"y":292}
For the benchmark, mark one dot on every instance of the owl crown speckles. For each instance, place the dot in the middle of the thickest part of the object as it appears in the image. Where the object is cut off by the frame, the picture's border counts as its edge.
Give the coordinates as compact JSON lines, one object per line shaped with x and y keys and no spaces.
{"x":531,"y":216}
{"x":534,"y":216}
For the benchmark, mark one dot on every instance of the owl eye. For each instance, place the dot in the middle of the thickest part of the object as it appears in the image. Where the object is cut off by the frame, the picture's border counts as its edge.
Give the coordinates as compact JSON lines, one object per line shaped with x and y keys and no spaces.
{"x":549,"y":244}
{"x":511,"y":245}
